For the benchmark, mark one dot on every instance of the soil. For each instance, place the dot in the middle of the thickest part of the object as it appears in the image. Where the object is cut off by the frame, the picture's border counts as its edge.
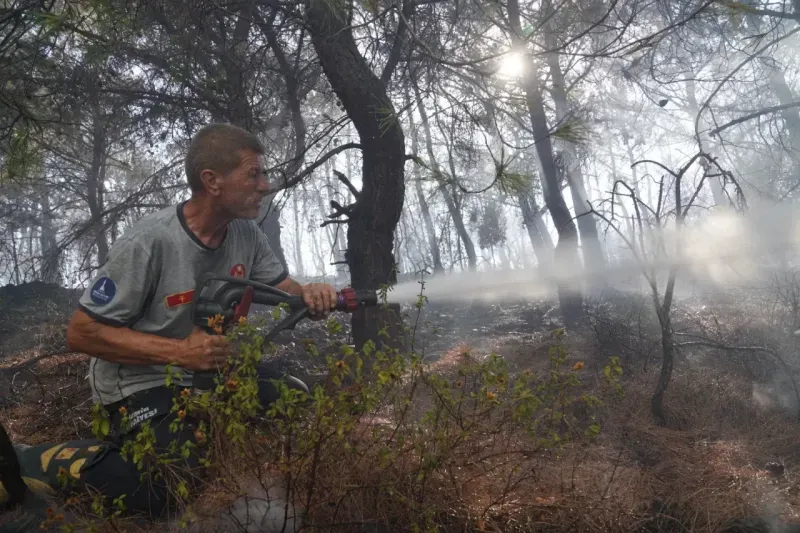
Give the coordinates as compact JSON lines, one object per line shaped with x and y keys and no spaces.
{"x":723,"y":455}
{"x":40,"y":378}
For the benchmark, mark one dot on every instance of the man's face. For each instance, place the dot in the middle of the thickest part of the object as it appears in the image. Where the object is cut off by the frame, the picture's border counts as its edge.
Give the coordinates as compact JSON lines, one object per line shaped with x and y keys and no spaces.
{"x":243,"y":189}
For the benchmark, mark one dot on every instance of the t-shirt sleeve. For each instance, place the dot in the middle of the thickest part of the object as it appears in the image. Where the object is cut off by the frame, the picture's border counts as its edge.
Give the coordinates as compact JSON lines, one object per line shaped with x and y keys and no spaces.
{"x":267,"y":268}
{"x":119,"y":291}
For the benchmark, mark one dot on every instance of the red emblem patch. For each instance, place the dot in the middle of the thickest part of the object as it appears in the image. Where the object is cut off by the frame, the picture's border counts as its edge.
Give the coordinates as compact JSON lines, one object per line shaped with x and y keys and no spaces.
{"x":238,"y":271}
{"x":180,"y":298}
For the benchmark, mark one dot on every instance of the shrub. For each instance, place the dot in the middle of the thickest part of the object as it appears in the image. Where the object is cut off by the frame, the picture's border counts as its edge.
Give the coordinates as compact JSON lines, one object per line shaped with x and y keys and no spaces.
{"x":381,"y":440}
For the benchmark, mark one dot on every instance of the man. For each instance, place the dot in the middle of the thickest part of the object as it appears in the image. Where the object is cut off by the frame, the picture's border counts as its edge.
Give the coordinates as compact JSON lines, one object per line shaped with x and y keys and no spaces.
{"x":134,"y":319}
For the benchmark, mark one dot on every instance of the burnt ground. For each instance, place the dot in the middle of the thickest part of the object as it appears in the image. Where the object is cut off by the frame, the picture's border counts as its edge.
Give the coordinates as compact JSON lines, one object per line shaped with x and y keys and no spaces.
{"x":733,"y":416}
{"x":435,"y":330}
{"x":40,"y":378}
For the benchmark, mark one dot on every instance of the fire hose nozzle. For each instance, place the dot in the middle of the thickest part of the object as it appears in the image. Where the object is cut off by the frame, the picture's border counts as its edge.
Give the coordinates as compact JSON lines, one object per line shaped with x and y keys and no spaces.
{"x":350,"y":299}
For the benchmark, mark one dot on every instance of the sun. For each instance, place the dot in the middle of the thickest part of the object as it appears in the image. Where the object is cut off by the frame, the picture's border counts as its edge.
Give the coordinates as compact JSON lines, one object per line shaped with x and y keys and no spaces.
{"x":512,"y":65}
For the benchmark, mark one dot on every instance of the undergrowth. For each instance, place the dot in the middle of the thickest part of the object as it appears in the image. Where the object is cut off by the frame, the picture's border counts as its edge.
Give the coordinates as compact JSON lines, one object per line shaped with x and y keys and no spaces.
{"x":381,"y":441}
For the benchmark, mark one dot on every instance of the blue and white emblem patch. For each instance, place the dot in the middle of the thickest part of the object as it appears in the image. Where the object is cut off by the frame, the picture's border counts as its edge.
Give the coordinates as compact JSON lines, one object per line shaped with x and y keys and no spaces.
{"x":103,"y":291}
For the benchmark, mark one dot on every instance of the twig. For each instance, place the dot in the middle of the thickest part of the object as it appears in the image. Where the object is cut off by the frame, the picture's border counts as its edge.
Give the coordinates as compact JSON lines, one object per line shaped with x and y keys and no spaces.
{"x":753,"y":115}
{"x":709,"y":343}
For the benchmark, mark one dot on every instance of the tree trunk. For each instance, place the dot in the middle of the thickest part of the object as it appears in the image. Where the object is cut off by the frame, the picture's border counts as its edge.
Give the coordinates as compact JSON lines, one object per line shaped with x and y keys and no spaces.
{"x":566,"y":252}
{"x":95,"y":185}
{"x":540,"y":238}
{"x":298,"y":239}
{"x":15,"y":255}
{"x":423,"y":206}
{"x":587,"y":224}
{"x":667,"y":363}
{"x":51,"y":255}
{"x":374,"y":217}
{"x":541,"y":242}
{"x":449,"y":200}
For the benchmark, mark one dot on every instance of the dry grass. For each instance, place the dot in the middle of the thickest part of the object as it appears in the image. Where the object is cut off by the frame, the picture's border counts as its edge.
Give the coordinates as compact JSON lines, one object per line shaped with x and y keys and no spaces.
{"x":56,"y":385}
{"x":703,"y":475}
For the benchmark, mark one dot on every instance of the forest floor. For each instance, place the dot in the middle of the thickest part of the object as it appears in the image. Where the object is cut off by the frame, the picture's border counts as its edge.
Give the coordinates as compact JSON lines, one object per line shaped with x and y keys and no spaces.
{"x":729,"y":460}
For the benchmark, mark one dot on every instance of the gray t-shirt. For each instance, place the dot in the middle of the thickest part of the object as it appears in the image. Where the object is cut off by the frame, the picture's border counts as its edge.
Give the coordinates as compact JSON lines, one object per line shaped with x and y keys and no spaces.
{"x":148,"y":283}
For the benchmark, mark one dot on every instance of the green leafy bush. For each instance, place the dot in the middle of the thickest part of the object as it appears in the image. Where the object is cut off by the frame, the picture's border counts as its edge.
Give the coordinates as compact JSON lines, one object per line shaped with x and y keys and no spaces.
{"x":381,"y":439}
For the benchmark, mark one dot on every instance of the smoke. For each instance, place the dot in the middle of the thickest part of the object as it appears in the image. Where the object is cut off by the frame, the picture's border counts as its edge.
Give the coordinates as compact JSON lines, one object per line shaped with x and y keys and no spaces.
{"x":723,"y":249}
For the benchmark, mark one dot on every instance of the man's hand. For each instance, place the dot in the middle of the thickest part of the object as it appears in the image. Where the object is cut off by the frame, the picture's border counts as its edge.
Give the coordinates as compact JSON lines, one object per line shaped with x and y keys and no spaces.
{"x":202,"y":351}
{"x":320,"y":299}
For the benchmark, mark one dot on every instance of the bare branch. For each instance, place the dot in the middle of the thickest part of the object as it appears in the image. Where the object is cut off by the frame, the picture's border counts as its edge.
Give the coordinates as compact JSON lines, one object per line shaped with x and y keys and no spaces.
{"x":753,"y":115}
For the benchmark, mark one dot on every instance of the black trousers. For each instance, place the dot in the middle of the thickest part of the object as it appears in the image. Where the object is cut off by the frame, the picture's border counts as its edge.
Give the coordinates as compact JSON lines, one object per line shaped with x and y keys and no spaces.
{"x":114,"y":475}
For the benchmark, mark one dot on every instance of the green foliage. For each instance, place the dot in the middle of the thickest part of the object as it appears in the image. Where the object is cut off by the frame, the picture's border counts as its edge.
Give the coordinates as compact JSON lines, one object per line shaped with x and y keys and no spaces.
{"x":492,"y":226}
{"x":572,"y":130}
{"x":387,"y":118}
{"x":338,"y":466}
{"x":22,"y":157}
{"x":101,"y":424}
{"x":513,"y":183}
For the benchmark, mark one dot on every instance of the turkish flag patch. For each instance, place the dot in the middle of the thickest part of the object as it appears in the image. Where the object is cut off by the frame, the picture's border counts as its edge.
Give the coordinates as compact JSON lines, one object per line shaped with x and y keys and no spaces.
{"x":180,"y":298}
{"x":237,"y":271}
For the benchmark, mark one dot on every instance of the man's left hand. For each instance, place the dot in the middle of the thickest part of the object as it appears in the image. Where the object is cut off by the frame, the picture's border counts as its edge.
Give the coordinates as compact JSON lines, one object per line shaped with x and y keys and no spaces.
{"x":320,"y":299}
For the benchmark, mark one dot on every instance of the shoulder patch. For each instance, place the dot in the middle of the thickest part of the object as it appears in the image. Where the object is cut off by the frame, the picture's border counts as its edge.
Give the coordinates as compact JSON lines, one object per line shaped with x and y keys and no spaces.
{"x":179,"y":298}
{"x":238,"y":271}
{"x":103,"y":291}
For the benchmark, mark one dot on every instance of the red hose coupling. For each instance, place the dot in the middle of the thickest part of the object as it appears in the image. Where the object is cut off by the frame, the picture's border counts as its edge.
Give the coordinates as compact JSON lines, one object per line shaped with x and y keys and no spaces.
{"x":348,"y":301}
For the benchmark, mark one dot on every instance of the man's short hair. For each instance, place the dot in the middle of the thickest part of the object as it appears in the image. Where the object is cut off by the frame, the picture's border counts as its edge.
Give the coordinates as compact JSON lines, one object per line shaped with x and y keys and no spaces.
{"x":217,"y":147}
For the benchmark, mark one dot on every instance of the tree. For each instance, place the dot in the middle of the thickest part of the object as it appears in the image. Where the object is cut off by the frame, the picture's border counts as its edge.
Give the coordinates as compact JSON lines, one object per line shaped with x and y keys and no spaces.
{"x":566,"y":251}
{"x":372,"y":219}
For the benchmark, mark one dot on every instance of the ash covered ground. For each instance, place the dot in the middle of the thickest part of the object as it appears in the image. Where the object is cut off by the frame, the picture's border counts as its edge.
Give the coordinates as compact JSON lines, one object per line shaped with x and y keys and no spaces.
{"x":735,"y":410}
{"x":35,"y":316}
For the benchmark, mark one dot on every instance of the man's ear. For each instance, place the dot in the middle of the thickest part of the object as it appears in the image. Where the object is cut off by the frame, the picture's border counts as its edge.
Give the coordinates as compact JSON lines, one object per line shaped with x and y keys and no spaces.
{"x":211,"y":182}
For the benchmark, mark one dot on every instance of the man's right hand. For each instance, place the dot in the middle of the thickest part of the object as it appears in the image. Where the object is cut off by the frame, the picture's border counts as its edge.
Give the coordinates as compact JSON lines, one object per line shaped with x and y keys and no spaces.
{"x":197,"y":352}
{"x":203,"y":351}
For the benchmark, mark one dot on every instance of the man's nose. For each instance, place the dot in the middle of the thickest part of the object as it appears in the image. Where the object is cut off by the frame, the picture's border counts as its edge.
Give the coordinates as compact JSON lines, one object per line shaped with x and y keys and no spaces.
{"x":263,"y":185}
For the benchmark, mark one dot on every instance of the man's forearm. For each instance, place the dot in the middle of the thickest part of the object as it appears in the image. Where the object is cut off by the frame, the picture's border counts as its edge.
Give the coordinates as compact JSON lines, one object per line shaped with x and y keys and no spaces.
{"x":120,"y":345}
{"x":291,"y":286}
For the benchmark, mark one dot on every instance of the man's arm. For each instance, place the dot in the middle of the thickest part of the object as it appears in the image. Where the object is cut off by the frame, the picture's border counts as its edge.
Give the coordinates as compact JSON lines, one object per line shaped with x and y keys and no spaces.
{"x":116,"y":299}
{"x":126,"y":346}
{"x":319,"y":297}
{"x":120,"y":344}
{"x":291,"y":286}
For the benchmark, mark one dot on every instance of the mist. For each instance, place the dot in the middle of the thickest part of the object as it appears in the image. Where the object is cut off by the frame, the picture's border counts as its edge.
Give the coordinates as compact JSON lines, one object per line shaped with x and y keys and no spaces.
{"x":725,"y":250}
{"x":627,"y":173}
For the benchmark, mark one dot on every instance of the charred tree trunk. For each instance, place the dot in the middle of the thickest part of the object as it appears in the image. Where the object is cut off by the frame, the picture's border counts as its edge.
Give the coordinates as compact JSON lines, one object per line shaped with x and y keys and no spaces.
{"x":424,"y":207}
{"x":667,"y":363}
{"x":51,"y":255}
{"x":587,"y":224}
{"x":376,"y":212}
{"x":449,"y":199}
{"x":566,"y":252}
{"x":94,"y":181}
{"x":540,"y":238}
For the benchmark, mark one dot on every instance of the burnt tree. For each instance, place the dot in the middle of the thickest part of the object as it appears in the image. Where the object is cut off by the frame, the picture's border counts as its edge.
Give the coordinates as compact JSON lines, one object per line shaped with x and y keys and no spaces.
{"x":567,"y":259}
{"x":376,"y":211}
